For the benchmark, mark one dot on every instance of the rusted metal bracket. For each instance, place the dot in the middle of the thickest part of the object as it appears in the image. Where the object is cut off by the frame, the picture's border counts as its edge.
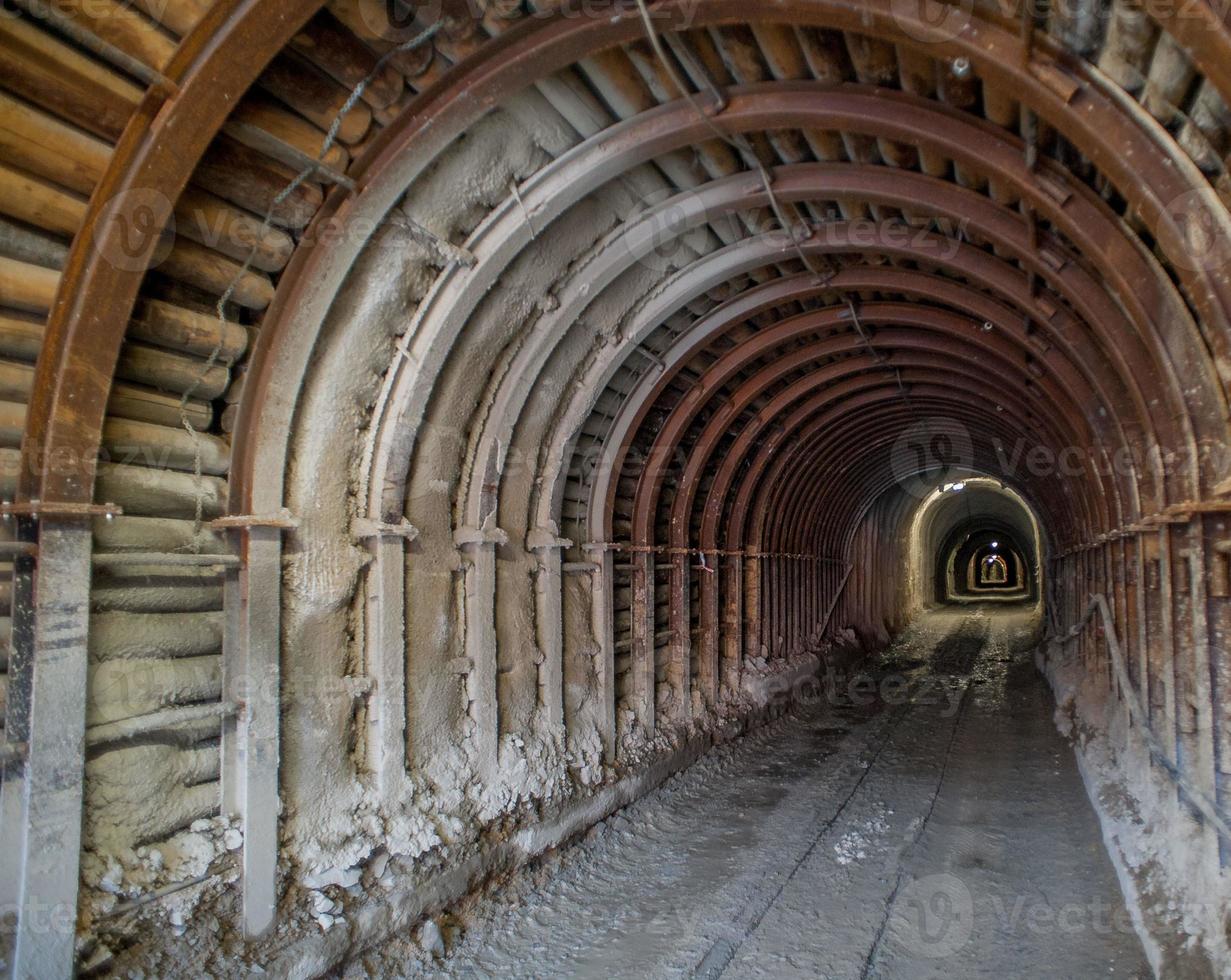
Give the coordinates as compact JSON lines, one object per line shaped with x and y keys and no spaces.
{"x":367,"y":528}
{"x":283,"y":520}
{"x":38,"y":509}
{"x":544,"y":539}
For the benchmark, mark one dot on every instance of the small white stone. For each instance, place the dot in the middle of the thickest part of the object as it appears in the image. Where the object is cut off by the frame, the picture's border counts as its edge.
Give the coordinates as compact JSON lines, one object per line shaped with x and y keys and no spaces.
{"x":431,"y":939}
{"x":110,"y":881}
{"x":342,"y":877}
{"x":323,"y":904}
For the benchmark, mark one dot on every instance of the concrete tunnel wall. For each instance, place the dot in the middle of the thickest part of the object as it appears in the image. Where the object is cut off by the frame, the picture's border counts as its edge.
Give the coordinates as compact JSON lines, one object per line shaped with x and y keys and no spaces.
{"x":408,"y":510}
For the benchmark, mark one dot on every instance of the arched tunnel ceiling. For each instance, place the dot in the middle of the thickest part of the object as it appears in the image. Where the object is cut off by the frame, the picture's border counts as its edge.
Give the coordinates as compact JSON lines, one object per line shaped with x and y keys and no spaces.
{"x":671,"y":295}
{"x":926,"y":219}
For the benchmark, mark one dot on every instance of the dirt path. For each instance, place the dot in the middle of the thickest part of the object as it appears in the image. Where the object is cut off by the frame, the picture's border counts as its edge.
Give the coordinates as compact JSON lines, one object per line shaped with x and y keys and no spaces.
{"x":932,"y":825}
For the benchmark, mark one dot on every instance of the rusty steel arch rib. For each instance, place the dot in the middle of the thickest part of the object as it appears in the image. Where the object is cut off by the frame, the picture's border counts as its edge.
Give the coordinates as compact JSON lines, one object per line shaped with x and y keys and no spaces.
{"x":845,"y":420}
{"x":161,"y":143}
{"x":570,"y":40}
{"x":850,"y":495}
{"x":764,"y":474}
{"x":793,"y":183}
{"x":768,"y":412}
{"x":670,"y":124}
{"x":983,"y":268}
{"x":905,"y":355}
{"x":811,"y":448}
{"x":827,"y":436}
{"x":549,"y":46}
{"x":888,"y":342}
{"x":764,"y":297}
{"x":1096,"y":506}
{"x":821,"y":433}
{"x":1114,"y":348}
{"x":398,"y":444}
{"x":862,"y":491}
{"x":1154,"y":299}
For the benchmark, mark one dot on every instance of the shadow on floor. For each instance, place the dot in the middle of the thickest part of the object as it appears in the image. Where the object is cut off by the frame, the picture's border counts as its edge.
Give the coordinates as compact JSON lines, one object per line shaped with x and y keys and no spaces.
{"x":957,"y":652}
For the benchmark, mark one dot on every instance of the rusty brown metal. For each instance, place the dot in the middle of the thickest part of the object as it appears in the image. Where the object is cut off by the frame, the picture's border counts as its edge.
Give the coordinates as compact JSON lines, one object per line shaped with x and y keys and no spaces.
{"x":726,"y":473}
{"x":213,"y":66}
{"x":956,"y":337}
{"x":826,"y":435}
{"x":864,"y":429}
{"x":990,"y":264}
{"x":1098,"y":314}
{"x":857,"y":422}
{"x":678,"y":610}
{"x":550,"y":44}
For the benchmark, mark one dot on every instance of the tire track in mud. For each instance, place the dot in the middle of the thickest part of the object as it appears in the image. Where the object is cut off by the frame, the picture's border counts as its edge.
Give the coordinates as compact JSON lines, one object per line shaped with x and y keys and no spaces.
{"x":716,"y":961}
{"x":956,"y":654}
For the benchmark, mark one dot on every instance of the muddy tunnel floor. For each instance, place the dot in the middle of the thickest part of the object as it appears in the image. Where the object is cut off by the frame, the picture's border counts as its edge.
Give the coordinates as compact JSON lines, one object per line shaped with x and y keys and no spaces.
{"x":925,"y":821}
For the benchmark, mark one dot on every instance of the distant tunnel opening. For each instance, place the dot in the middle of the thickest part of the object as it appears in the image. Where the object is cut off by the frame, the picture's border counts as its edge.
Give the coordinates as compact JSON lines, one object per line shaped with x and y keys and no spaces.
{"x":988,"y":547}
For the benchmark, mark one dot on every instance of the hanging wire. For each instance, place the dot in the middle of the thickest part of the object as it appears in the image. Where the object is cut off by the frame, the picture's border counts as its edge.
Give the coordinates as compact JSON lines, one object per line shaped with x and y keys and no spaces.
{"x":740,"y":143}
{"x":737,"y":141}
{"x":295,"y":183}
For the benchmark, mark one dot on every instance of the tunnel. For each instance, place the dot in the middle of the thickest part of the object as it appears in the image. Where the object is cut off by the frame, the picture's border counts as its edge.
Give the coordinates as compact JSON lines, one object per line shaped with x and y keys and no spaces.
{"x":615,"y":488}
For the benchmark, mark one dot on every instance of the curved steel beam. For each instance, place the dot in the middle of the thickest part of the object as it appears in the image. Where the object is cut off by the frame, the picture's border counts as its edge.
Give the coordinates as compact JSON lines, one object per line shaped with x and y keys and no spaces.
{"x":765,"y":297}
{"x":991,"y":56}
{"x":212,"y":68}
{"x":986,"y":269}
{"x":937,"y":330}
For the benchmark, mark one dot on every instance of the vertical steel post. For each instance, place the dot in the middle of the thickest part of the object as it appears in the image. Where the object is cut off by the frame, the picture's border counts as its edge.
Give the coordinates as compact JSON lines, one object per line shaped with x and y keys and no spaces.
{"x":252,"y":679}
{"x":643,"y":644}
{"x":46,"y":711}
